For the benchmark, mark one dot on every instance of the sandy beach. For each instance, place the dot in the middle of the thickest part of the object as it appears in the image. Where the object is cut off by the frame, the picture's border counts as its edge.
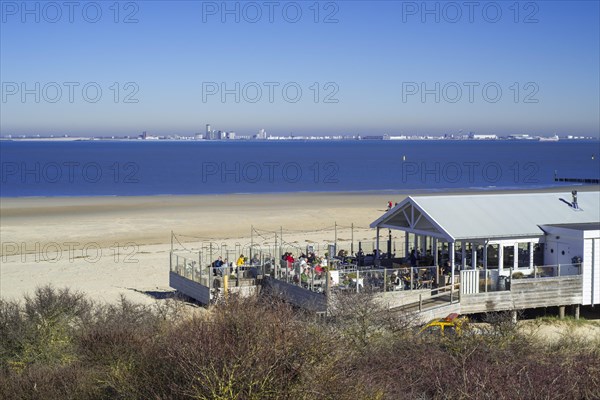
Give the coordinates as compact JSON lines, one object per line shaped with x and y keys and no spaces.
{"x":108,"y":246}
{"x":113,"y":246}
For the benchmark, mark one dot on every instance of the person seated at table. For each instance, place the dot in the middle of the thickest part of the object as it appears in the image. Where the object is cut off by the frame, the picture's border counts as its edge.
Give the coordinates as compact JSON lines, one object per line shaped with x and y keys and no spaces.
{"x":216,"y":265}
{"x":406,"y":280}
{"x":303,"y":263}
{"x":311,"y":258}
{"x":290,"y":260}
{"x":395,"y":279}
{"x":426,"y":278}
{"x":427,"y":275}
{"x":255,"y":260}
{"x":447,"y":271}
{"x":318,"y":271}
{"x":304,"y":277}
{"x":298,"y":268}
{"x":224,"y":268}
{"x":240,"y":260}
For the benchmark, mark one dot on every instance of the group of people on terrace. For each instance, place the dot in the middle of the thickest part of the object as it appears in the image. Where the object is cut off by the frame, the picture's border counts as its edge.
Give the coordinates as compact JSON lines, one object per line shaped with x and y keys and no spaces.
{"x":416,"y":272}
{"x":224,"y":267}
{"x":304,"y":268}
{"x":421,"y":278}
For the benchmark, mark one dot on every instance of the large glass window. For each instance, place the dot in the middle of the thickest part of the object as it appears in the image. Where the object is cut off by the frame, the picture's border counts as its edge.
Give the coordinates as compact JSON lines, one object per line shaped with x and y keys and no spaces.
{"x":492,"y":255}
{"x":508,"y":256}
{"x":478,"y":249}
{"x":524,"y":253}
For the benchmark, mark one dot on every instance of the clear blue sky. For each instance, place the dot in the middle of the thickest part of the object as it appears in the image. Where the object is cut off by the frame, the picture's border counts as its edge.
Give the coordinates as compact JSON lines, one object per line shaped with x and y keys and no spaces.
{"x":376,"y":59}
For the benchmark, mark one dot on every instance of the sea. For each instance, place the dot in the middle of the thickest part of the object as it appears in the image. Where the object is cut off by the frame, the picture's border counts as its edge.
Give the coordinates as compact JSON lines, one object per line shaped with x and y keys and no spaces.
{"x":141,"y":168}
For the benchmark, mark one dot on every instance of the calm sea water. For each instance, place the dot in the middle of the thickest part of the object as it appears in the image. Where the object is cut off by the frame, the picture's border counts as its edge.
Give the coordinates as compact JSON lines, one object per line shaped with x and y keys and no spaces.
{"x":132,"y":168}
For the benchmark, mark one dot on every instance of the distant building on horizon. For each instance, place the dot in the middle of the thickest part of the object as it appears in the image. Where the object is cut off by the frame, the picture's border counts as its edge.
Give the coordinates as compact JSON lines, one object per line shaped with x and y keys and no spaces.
{"x":475,"y":136}
{"x":262,"y":134}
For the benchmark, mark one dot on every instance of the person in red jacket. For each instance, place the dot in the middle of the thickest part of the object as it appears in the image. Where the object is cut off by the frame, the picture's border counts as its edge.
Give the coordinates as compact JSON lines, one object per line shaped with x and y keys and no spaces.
{"x":290,"y":260}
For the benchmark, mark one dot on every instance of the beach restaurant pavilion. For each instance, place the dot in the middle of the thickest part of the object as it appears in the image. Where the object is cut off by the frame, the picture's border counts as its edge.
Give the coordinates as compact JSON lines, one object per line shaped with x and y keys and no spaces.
{"x":505,"y":233}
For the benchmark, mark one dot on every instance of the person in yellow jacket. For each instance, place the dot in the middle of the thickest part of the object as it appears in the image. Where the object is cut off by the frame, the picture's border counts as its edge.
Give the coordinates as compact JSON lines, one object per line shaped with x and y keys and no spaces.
{"x":240,"y":261}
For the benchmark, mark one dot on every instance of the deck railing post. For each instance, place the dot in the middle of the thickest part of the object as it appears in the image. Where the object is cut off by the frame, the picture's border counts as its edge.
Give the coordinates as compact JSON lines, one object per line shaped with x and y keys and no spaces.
{"x":384,"y":279}
{"x":558,"y":270}
{"x":200,"y":266}
{"x":352,"y":239}
{"x":420,"y":302}
{"x":486,"y":280}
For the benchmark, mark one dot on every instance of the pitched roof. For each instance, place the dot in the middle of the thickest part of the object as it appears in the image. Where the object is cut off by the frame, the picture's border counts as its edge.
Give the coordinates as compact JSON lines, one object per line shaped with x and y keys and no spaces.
{"x":489,"y":216}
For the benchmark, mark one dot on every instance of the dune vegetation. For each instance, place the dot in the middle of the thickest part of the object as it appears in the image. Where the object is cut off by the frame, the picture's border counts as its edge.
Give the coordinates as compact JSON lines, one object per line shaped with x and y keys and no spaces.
{"x":58,"y":344}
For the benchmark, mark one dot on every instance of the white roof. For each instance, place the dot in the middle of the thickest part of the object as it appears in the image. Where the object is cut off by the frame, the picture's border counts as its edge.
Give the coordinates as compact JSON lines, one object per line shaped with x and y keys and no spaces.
{"x":489,"y":216}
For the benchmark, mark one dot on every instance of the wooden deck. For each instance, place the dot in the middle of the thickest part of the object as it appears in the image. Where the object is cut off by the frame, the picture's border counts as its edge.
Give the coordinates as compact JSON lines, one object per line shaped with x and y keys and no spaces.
{"x":523,"y":294}
{"x":526,"y":293}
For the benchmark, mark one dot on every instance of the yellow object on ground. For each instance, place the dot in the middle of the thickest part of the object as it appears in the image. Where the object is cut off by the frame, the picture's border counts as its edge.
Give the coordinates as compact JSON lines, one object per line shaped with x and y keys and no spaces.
{"x":450,"y":325}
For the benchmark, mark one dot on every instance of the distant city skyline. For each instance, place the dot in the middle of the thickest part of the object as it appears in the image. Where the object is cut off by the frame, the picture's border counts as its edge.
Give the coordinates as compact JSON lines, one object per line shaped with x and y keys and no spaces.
{"x":301,"y":68}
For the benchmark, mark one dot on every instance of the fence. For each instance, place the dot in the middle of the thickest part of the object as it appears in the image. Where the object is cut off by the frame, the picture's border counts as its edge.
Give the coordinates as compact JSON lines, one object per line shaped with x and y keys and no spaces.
{"x":190,"y":266}
{"x":337,"y":275}
{"x":483,"y":281}
{"x":334,"y":240}
{"x":338,"y":240}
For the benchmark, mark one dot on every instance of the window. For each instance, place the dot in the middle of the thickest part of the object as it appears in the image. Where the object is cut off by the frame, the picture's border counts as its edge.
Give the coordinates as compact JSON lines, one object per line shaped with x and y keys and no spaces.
{"x":509,"y":256}
{"x":492,"y":255}
{"x":524,"y":252}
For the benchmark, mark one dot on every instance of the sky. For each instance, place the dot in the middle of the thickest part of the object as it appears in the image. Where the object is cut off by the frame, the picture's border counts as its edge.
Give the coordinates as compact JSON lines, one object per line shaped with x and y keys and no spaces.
{"x":305,"y":67}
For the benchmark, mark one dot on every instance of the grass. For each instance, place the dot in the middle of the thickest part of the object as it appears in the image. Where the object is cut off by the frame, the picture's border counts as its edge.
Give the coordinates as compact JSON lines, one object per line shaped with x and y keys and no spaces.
{"x":567,"y":320}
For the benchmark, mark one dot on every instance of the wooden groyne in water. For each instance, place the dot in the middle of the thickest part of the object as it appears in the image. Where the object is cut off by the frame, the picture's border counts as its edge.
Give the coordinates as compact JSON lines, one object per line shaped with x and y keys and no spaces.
{"x":590,"y":181}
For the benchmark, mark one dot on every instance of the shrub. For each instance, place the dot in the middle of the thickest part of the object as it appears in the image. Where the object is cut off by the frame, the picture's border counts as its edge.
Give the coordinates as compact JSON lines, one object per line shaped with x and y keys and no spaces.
{"x":58,"y":345}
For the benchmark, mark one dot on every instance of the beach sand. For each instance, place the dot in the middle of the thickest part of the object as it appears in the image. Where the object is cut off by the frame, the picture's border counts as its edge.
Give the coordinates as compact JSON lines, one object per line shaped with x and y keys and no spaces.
{"x":113,"y":246}
{"x":108,"y":246}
